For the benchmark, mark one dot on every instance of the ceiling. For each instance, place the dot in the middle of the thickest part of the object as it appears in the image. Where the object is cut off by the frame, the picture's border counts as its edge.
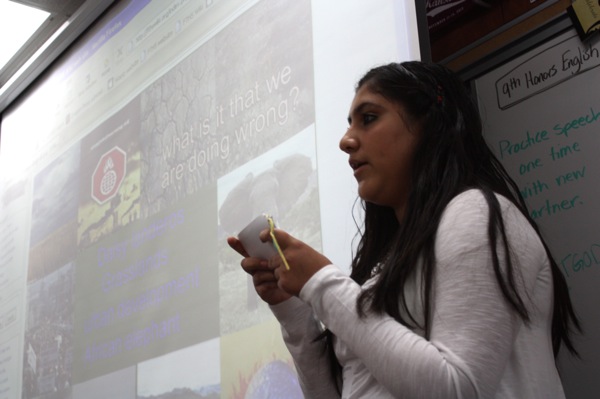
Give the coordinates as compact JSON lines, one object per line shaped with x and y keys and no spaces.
{"x":68,"y":19}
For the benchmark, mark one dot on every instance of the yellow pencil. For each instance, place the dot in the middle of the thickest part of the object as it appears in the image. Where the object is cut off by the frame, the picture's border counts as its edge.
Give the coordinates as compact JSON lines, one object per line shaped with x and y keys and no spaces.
{"x":272,"y":232}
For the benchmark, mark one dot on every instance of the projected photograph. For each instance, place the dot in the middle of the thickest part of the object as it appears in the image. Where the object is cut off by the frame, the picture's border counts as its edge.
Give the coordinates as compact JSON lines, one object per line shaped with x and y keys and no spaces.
{"x":256,"y":365}
{"x":120,"y":384}
{"x":48,"y":345}
{"x":190,"y":373}
{"x":218,"y":109}
{"x":180,"y":149}
{"x":53,"y":240}
{"x":265,"y":84}
{"x":109,"y":195}
{"x":283,"y":184}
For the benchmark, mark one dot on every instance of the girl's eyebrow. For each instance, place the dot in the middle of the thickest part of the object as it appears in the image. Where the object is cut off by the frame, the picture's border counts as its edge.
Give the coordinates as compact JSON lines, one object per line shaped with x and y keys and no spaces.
{"x":360,"y":107}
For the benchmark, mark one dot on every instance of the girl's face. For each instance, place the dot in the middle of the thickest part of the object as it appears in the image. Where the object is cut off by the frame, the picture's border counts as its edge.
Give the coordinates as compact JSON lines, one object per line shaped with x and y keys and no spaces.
{"x":381,"y":147}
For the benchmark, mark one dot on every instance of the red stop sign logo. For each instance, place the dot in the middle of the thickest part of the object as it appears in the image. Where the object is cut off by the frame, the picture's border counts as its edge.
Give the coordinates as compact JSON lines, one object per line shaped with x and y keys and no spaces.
{"x":108,"y":175}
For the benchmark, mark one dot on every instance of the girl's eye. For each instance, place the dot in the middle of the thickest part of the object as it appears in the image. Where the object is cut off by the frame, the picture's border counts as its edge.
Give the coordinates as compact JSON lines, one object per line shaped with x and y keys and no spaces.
{"x":368,"y":118}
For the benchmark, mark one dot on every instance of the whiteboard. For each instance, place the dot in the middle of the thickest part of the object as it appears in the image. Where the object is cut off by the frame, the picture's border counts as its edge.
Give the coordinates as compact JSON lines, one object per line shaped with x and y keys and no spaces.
{"x":541,"y":115}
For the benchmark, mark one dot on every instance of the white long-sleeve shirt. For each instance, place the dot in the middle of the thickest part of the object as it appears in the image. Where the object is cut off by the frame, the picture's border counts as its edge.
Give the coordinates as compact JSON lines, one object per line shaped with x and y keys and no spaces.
{"x":478,"y":348}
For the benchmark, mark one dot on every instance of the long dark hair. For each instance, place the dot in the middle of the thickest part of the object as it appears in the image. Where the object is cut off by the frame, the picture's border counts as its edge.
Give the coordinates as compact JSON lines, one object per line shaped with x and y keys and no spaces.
{"x":451,"y":157}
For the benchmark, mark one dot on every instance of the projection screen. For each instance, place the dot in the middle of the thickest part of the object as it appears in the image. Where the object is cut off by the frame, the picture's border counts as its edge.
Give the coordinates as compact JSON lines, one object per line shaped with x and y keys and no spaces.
{"x":167,"y":127}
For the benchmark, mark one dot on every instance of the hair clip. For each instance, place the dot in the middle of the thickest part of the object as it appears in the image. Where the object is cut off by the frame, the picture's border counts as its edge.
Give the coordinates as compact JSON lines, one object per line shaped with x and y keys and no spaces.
{"x":440,"y":97}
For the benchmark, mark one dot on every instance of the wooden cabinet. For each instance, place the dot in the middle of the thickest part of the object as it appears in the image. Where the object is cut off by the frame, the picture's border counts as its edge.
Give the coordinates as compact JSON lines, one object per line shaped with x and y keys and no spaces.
{"x":482,"y":26}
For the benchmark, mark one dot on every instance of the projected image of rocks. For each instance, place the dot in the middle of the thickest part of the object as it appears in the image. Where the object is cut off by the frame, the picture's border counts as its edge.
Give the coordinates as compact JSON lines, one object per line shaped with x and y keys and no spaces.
{"x":219,"y":108}
{"x":181,"y":150}
{"x":283,"y":184}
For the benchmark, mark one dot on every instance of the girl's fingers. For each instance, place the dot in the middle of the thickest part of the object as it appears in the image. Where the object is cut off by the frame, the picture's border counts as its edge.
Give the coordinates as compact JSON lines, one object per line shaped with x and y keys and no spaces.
{"x":237,"y":246}
{"x":280,"y":235}
{"x":273,"y":263}
{"x":263,"y":278}
{"x":254,"y":265}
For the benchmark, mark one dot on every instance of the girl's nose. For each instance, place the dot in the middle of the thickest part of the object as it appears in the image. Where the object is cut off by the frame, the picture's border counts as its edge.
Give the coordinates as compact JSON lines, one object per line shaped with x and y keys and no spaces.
{"x":348,"y":143}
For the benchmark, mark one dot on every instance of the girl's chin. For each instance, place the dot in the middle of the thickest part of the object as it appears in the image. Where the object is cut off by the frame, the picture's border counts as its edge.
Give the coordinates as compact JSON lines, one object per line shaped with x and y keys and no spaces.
{"x":375,"y":198}
{"x":365,"y":194}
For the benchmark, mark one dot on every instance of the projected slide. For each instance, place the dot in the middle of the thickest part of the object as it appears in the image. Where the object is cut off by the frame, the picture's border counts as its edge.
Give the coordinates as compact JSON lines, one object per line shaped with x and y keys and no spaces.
{"x":168,"y":127}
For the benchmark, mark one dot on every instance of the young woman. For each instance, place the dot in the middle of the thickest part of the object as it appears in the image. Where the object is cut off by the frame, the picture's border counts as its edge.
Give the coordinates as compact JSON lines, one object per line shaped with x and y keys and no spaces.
{"x":453,"y":293}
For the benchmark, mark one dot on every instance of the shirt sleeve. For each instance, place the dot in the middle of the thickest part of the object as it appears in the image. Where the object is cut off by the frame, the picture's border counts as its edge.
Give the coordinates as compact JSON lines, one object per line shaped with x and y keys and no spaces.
{"x":300,"y":331}
{"x":473,"y":328}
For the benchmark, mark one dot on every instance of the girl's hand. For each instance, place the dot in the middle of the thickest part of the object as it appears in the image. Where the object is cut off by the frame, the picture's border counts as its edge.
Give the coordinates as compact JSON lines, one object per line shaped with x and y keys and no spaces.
{"x":263,"y":277}
{"x":303,"y":260}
